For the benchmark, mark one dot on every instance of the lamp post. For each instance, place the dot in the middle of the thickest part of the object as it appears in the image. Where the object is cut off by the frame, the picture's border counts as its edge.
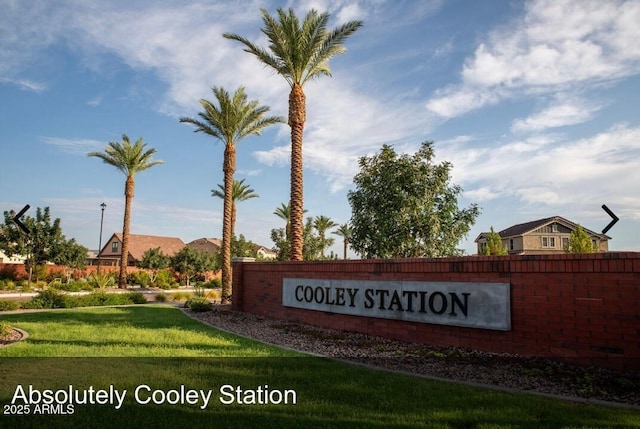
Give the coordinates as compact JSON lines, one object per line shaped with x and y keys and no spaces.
{"x":102,"y":206}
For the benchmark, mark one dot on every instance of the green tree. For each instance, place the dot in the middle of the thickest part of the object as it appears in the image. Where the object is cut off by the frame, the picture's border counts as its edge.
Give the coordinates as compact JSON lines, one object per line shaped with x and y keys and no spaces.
{"x":230,"y":120}
{"x":240,"y":192}
{"x":404,"y":206}
{"x":494,"y":245}
{"x":72,"y":255}
{"x":322,"y":224}
{"x":298,"y":51}
{"x":154,"y":260}
{"x":580,"y":242}
{"x":310,"y":249}
{"x":130,"y":159}
{"x":344,"y":231}
{"x":44,"y":243}
{"x":190,"y":262}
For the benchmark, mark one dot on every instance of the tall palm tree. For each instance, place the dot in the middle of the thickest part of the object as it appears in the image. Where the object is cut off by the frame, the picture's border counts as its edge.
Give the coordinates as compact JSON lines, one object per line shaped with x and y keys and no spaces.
{"x":299,"y":52}
{"x":240,"y":192}
{"x":344,"y":231}
{"x":231,"y":120}
{"x":130,"y":160}
{"x":322,"y":224}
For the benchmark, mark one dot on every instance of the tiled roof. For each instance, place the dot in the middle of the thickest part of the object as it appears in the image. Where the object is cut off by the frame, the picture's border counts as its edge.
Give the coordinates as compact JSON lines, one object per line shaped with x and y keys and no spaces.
{"x":138,"y":244}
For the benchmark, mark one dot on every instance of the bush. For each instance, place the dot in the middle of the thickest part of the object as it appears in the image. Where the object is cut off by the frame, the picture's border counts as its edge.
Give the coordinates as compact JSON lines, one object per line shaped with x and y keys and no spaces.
{"x":142,"y":278}
{"x":5,"y":329}
{"x":8,"y":305}
{"x":7,"y":285}
{"x":198,"y":304}
{"x":137,"y":298}
{"x":215,"y":283}
{"x":101,"y":280}
{"x":46,"y":299}
{"x":160,"y":297}
{"x":164,"y":280}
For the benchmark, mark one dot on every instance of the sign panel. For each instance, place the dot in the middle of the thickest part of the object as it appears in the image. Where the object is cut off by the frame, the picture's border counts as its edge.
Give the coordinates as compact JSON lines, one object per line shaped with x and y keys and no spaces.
{"x":474,"y":305}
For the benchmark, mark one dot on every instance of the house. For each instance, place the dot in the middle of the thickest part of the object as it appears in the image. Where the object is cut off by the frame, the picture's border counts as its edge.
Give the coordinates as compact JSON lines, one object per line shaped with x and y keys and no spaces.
{"x":15,"y":259}
{"x":543,"y":236}
{"x":210,"y":246}
{"x":264,"y":252}
{"x":138,"y":244}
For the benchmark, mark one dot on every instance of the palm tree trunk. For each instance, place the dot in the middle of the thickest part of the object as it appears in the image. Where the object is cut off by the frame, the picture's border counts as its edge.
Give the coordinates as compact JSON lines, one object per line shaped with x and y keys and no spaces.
{"x":345,"y":248}
{"x":297,"y":118}
{"x":129,"y":188}
{"x":229,"y":168}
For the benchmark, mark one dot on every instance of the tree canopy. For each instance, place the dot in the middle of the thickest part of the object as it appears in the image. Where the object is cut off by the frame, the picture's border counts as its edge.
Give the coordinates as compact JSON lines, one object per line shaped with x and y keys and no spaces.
{"x":494,"y":245}
{"x":580,"y":242}
{"x":405,"y":206}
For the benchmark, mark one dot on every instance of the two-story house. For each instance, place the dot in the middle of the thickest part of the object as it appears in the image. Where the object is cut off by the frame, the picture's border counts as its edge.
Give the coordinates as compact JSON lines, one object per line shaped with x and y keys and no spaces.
{"x":543,"y":236}
{"x":111,"y":253}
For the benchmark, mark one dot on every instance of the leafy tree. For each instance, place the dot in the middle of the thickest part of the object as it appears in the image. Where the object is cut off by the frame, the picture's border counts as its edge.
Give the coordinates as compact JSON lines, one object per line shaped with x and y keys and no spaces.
{"x":154,"y":260}
{"x":322,"y":224}
{"x":190,"y":262}
{"x":298,"y":51}
{"x":580,"y":242}
{"x":310,"y":249}
{"x":230,"y":120}
{"x":494,"y":245}
{"x":404,"y":206}
{"x":71,"y":255}
{"x":240,"y":192}
{"x":43,"y":243}
{"x":344,"y":231}
{"x":130,"y":160}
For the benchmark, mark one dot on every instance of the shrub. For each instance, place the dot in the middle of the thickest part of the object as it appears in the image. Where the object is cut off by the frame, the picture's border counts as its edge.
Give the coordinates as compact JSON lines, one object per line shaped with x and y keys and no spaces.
{"x":198,"y":304}
{"x":142,"y":278}
{"x":215,"y":283}
{"x":46,"y":299}
{"x":8,"y":305}
{"x":5,"y":329}
{"x":7,"y":285}
{"x":164,"y":280}
{"x":137,"y":298}
{"x":160,"y":297}
{"x":101,"y":280}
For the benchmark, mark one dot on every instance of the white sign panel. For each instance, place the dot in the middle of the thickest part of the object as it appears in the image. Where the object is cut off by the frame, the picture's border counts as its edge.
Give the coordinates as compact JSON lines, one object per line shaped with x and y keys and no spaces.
{"x":475,"y":305}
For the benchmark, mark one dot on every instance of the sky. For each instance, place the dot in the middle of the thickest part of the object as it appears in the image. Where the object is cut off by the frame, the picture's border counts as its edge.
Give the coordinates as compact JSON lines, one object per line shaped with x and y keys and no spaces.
{"x":535,"y":103}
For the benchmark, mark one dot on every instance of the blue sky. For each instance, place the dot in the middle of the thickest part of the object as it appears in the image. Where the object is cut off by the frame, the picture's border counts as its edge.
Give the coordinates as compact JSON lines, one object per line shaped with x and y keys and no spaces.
{"x":535,"y":103}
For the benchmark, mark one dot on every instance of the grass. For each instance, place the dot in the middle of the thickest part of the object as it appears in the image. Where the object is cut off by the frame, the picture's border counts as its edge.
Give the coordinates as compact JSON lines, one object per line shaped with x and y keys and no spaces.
{"x":129,"y":347}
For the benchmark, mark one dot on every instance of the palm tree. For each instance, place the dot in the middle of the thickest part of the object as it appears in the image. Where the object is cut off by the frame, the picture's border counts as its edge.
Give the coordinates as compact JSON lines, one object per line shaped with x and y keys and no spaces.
{"x":284,"y":213}
{"x":322,"y":224}
{"x":231,"y":120}
{"x":298,"y":52}
{"x":344,"y":231}
{"x":240,"y":192}
{"x":129,"y":159}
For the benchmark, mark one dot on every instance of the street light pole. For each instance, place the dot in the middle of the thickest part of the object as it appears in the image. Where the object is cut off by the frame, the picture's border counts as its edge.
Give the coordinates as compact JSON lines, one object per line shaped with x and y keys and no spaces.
{"x":102,"y":206}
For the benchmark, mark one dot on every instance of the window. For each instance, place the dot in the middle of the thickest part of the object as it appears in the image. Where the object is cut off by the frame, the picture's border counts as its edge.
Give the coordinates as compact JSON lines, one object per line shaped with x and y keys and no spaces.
{"x":511,"y":244}
{"x":565,"y":242}
{"x":552,"y":242}
{"x":554,"y":228}
{"x":545,"y":241}
{"x":114,"y":247}
{"x":548,"y":241}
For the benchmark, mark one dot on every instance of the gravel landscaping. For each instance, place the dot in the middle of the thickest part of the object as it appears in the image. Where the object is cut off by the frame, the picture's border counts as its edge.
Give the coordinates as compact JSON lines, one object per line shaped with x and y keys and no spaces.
{"x":500,"y":370}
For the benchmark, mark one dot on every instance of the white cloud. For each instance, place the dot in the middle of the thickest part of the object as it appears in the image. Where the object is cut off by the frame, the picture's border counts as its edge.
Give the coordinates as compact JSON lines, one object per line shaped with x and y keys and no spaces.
{"x":554,"y":171}
{"x":74,"y":146}
{"x":564,"y":111}
{"x":557,"y":44}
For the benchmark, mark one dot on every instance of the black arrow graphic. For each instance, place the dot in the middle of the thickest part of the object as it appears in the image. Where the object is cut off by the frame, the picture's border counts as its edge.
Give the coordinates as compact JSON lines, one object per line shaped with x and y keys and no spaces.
{"x":613,"y":222}
{"x":16,"y":219}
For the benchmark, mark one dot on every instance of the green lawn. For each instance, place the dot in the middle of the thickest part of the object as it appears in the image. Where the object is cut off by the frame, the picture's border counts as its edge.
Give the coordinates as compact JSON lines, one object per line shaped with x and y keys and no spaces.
{"x":160,"y":352}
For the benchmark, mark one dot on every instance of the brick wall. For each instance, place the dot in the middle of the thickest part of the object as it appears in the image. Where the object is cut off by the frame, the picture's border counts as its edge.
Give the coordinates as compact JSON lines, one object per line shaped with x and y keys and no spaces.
{"x":584,"y":308}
